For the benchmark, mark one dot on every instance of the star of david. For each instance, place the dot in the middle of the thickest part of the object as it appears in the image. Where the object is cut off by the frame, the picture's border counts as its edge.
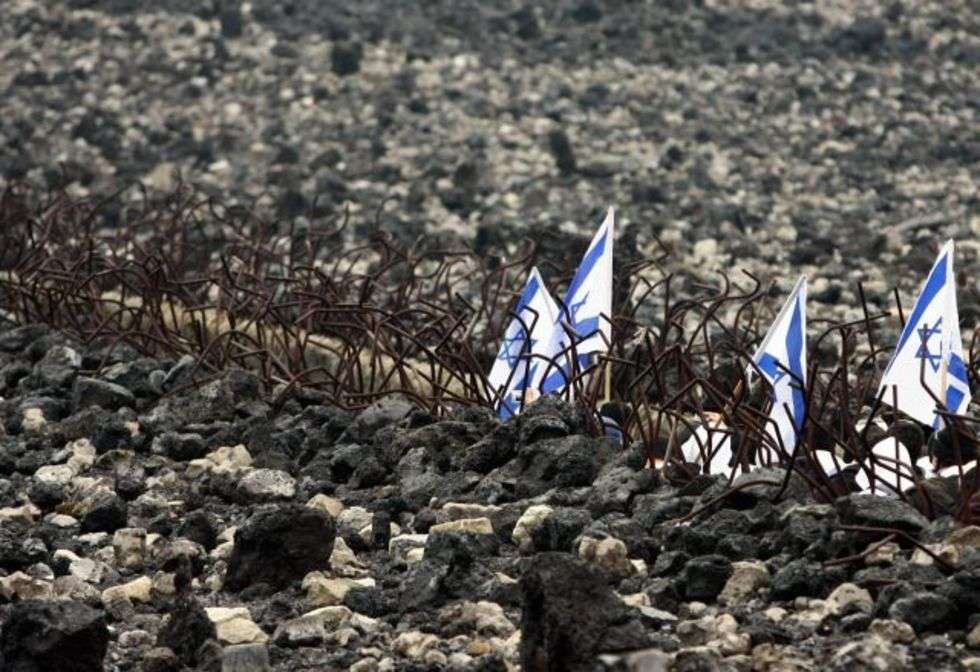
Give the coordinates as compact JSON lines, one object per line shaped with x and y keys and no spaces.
{"x":925,"y":333}
{"x":513,"y":347}
{"x":575,"y":307}
{"x":770,"y":366}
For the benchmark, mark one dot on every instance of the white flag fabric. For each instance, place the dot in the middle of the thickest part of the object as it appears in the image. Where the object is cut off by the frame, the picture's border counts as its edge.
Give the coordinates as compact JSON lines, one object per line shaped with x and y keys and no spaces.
{"x":930,"y":351}
{"x":893,"y":472}
{"x":782,"y":360}
{"x":713,"y":442}
{"x":528,"y":334}
{"x":589,"y":307}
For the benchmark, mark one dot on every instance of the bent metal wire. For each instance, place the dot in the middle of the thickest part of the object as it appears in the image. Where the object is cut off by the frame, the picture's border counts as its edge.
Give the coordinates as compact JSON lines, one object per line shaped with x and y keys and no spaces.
{"x":183,"y":275}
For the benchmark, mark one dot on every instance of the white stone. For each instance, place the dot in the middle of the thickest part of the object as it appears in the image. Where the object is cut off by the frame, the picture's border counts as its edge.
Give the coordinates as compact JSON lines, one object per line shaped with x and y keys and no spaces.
{"x":25,"y":587}
{"x":137,"y":590}
{"x":331,"y":505}
{"x":530,"y":520}
{"x":264,"y":485}
{"x":849,"y":596}
{"x":234,"y":625}
{"x":414,"y":644}
{"x":474,"y":525}
{"x":747,"y":577}
{"x":461,"y":510}
{"x":400,"y":547}
{"x":59,"y":474}
{"x":322,"y":591}
{"x":609,"y":554}
{"x":129,"y":546}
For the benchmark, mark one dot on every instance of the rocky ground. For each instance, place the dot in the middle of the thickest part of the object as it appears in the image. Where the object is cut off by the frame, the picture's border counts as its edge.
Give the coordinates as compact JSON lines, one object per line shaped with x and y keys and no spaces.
{"x":834,"y":138}
{"x":147,"y":528}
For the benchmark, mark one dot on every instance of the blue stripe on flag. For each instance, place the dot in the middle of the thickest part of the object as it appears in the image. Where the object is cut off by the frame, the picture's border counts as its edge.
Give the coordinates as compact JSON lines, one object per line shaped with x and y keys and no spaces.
{"x":957,"y":369}
{"x":954,"y":397}
{"x":794,"y":349}
{"x":585,"y":269}
{"x":936,"y":281}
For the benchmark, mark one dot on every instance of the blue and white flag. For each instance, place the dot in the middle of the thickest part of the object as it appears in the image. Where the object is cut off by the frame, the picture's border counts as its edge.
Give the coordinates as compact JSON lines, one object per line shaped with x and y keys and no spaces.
{"x":929,"y":354}
{"x":782,"y":360}
{"x":528,"y":334}
{"x":588,"y":309}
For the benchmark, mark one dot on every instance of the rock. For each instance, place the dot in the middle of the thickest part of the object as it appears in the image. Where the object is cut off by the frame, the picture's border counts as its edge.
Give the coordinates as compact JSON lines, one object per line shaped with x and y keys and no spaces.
{"x":25,"y":587}
{"x":462,"y":511}
{"x":180,"y":447}
{"x":245,"y":658}
{"x":234,"y":625}
{"x":568,"y":462}
{"x":345,"y":58}
{"x":104,"y":511}
{"x":848,"y":598}
{"x":186,"y":630}
{"x":459,"y":548}
{"x":704,"y":577}
{"x":129,"y":546}
{"x":322,"y":591}
{"x":94,"y":392}
{"x":414,"y":644}
{"x":559,"y":530}
{"x":47,"y":636}
{"x":280,"y":545}
{"x":973,"y":637}
{"x":137,"y":590}
{"x":561,"y":150}
{"x":797,"y":578}
{"x":298,"y":632}
{"x":483,"y":618}
{"x":329,"y":504}
{"x":407,"y":548}
{"x":556,"y":632}
{"x":875,"y":511}
{"x":266,"y":485}
{"x":609,"y":554}
{"x":532,"y":518}
{"x":747,"y":578}
{"x":925,"y":612}
{"x":870,"y":654}
{"x":472,"y":525}
{"x":892,"y":631}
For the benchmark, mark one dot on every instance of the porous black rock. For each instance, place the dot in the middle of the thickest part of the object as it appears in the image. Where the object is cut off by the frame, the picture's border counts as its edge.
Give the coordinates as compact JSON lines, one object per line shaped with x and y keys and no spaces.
{"x":104,"y":512}
{"x":95,"y":392}
{"x":703,"y":577}
{"x":41,"y":636}
{"x":186,"y":630}
{"x":570,"y":615}
{"x":798,"y":578}
{"x":925,"y":612}
{"x":883,"y":512}
{"x":280,"y":545}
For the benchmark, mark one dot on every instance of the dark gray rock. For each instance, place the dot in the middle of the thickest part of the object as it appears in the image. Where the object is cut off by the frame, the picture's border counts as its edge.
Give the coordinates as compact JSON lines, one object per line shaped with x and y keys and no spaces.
{"x":885,"y":512}
{"x":104,"y":512}
{"x":280,"y":545}
{"x":797,"y":578}
{"x":456,"y":547}
{"x":186,"y":631}
{"x":568,"y":462}
{"x":925,"y":612}
{"x":703,"y":577}
{"x":559,"y":530}
{"x":558,"y":630}
{"x":94,"y":392}
{"x":45,"y":636}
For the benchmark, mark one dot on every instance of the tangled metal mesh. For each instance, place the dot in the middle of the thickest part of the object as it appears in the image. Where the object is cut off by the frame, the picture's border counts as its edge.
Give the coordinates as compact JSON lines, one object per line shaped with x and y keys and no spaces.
{"x":184,"y":276}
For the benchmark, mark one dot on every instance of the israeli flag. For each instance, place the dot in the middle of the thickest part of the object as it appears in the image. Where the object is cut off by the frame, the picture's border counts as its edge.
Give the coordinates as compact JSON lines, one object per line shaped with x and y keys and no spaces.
{"x":782,"y":360}
{"x":930,"y":351}
{"x":588,"y":308}
{"x":529,"y":333}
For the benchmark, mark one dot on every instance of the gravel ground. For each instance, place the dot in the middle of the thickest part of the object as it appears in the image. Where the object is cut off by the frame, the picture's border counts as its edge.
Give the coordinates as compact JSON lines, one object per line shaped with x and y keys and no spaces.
{"x":838,"y":139}
{"x":200,"y":530}
{"x":144,"y":531}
